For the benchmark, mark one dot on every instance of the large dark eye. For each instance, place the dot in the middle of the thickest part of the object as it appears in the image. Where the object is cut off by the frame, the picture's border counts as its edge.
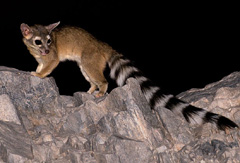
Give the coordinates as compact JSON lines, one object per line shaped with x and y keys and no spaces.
{"x":49,"y":41}
{"x":38,"y":42}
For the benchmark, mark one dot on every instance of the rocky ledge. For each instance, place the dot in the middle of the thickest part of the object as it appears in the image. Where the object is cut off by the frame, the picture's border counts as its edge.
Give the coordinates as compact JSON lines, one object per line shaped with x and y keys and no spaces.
{"x":37,"y":124}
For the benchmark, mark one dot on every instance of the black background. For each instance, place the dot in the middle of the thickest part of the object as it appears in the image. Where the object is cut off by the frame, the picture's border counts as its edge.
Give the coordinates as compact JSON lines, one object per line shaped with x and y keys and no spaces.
{"x":179,"y":45}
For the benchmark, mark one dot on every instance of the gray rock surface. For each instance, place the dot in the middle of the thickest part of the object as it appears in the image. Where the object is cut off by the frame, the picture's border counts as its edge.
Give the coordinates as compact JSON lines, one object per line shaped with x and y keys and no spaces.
{"x":37,"y":124}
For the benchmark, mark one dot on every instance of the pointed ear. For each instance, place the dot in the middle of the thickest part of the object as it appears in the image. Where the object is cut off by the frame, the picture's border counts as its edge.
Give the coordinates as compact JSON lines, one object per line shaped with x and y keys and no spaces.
{"x":26,"y":31}
{"x":52,"y":26}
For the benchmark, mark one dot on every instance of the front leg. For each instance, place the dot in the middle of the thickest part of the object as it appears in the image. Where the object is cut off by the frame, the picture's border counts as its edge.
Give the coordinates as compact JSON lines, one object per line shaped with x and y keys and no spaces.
{"x":39,"y":68}
{"x":44,"y":69}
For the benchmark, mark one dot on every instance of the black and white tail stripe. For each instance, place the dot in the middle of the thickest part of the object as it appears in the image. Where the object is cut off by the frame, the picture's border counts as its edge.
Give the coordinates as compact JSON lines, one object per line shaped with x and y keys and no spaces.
{"x":122,"y":69}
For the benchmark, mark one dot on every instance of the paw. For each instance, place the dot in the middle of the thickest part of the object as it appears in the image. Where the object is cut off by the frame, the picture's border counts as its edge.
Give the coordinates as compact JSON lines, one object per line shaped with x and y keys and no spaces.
{"x":95,"y":93}
{"x":36,"y":74}
{"x":99,"y":94}
{"x":90,"y":91}
{"x":33,"y":73}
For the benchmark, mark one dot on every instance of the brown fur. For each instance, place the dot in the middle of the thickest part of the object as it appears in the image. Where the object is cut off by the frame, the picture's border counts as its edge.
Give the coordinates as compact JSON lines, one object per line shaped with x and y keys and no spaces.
{"x":68,"y":43}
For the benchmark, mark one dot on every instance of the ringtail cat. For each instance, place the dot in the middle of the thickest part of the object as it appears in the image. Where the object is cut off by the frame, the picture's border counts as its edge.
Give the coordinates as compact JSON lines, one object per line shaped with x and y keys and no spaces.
{"x":49,"y":46}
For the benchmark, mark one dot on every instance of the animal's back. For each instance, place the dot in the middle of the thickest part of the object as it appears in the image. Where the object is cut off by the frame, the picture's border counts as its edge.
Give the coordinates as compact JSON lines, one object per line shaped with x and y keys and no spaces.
{"x":73,"y":42}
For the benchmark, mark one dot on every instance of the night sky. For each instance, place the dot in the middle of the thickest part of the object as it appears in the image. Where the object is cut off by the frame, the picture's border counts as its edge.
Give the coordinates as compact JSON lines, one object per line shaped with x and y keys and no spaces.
{"x":177,"y":45}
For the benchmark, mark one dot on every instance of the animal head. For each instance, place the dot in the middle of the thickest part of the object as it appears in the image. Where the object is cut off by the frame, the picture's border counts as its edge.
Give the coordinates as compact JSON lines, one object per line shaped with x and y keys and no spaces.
{"x":38,"y":37}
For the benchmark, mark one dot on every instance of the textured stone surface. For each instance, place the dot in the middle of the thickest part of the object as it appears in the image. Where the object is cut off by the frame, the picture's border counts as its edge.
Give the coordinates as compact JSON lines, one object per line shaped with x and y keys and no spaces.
{"x":7,"y":110}
{"x":37,"y":124}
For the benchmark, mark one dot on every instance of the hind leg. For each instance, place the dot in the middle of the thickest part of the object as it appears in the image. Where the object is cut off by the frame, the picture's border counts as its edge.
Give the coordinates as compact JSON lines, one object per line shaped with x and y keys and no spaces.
{"x":94,"y":75}
{"x":102,"y":86}
{"x":92,"y":88}
{"x":97,"y":80}
{"x":86,"y":76}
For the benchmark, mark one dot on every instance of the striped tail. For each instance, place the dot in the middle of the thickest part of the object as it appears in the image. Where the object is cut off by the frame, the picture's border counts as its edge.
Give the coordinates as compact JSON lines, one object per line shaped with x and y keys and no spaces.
{"x":122,"y":69}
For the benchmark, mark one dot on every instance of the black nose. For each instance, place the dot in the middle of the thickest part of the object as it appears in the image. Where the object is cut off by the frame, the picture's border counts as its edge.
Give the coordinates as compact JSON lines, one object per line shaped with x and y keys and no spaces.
{"x":46,"y":51}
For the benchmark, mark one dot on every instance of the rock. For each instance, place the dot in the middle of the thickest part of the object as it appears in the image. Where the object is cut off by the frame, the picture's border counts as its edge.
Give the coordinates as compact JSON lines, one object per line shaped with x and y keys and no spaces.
{"x":37,"y":124}
{"x":209,"y":91}
{"x":221,"y":97}
{"x":15,"y":143}
{"x":7,"y":110}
